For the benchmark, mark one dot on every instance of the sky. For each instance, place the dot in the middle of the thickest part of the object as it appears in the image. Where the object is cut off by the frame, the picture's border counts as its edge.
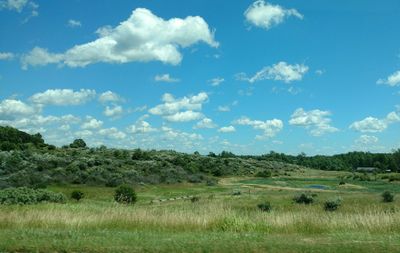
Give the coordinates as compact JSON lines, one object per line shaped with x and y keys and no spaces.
{"x":315,"y":76}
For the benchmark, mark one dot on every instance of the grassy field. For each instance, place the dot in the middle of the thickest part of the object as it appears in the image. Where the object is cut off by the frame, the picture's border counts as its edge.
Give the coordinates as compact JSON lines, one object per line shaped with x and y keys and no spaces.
{"x":218,"y":222}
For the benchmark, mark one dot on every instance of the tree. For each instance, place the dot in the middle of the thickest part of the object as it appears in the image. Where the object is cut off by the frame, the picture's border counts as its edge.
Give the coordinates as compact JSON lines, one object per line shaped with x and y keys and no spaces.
{"x":77,"y":195}
{"x":78,"y":143}
{"x":125,"y":194}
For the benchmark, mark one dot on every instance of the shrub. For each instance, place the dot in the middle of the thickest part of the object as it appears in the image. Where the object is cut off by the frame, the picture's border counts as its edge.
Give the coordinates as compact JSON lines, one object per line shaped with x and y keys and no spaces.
{"x":387,"y":197}
{"x":26,"y":196}
{"x":333,"y":204}
{"x":125,"y":194}
{"x":264,"y":173}
{"x":342,"y":182}
{"x":195,"y":199}
{"x":237,"y":193}
{"x":265,"y":207}
{"x":77,"y":195}
{"x":303,"y":198}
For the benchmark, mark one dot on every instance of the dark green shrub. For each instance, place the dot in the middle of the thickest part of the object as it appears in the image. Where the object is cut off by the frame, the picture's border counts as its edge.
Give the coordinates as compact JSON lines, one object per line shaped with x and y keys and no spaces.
{"x":265,"y":207}
{"x":264,"y":173}
{"x":237,"y":193}
{"x":26,"y":196}
{"x":125,"y":194}
{"x":303,"y":198}
{"x":77,"y":195}
{"x":78,"y":143}
{"x":342,"y":182}
{"x":333,"y":204}
{"x":387,"y":197}
{"x":195,"y":199}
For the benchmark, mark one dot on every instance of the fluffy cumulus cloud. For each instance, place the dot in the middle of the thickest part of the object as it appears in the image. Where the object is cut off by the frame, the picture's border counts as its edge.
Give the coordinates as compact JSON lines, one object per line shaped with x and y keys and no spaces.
{"x":205,"y":123}
{"x":109,"y":96}
{"x":11,"y":108}
{"x":173,"y":134}
{"x":112,"y":133}
{"x":270,"y":128}
{"x":6,"y":56}
{"x":316,"y":121}
{"x":141,"y":126}
{"x":265,"y":15}
{"x":184,"y":116}
{"x":165,"y":78}
{"x":182,"y":109}
{"x":392,"y":80}
{"x":63,"y":97}
{"x":142,"y":37}
{"x":366,"y":140}
{"x":20,"y":6}
{"x":280,"y":71}
{"x":113,"y":112}
{"x":375,"y":125}
{"x":91,"y":123}
{"x":74,"y":23}
{"x":227,"y":129}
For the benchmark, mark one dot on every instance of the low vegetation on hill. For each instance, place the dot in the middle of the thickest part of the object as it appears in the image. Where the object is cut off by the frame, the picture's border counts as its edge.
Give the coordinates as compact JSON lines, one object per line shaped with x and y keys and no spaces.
{"x":25,"y":160}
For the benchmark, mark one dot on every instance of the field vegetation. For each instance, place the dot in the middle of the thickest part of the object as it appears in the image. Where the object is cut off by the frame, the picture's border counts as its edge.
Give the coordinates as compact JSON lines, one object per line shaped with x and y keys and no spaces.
{"x":107,"y":200}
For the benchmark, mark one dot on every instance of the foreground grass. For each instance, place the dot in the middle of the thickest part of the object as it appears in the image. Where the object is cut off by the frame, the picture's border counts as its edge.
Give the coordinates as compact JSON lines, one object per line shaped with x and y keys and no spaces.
{"x":219,"y":222}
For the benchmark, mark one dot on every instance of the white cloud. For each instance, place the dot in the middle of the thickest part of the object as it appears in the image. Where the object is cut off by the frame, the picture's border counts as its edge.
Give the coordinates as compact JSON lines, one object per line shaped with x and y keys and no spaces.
{"x":227,"y":129}
{"x":6,"y":56}
{"x":266,"y":15}
{"x":165,"y":78}
{"x":74,"y":23}
{"x":375,"y":125}
{"x":63,"y":97}
{"x":141,"y":126}
{"x":317,"y":121}
{"x":11,"y":108}
{"x":39,"y":57}
{"x":19,"y":6}
{"x":109,"y":96}
{"x":182,"y":109}
{"x":113,"y":112}
{"x":216,"y":81}
{"x":366,"y":140}
{"x":184,"y":116}
{"x":183,"y":137}
{"x":224,"y":108}
{"x":281,"y":71}
{"x":83,"y":134}
{"x":112,"y":133}
{"x":142,"y":37}
{"x":91,"y":123}
{"x":393,"y":80}
{"x":270,"y":128}
{"x":205,"y":123}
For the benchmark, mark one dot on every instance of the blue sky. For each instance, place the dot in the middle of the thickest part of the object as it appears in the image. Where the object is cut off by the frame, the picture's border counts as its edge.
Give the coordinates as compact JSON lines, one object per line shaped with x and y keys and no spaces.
{"x":319,"y":77}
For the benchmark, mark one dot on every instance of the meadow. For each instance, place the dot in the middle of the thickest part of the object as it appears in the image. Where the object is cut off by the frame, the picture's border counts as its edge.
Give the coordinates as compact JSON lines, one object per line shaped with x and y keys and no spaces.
{"x":222,"y":220}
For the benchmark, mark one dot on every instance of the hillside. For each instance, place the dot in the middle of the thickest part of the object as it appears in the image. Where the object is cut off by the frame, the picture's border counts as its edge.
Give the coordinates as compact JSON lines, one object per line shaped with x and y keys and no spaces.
{"x":25,"y":160}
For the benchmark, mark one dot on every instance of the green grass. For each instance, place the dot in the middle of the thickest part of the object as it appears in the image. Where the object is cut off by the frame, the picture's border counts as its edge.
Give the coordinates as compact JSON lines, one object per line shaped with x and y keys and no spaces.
{"x":219,"y":222}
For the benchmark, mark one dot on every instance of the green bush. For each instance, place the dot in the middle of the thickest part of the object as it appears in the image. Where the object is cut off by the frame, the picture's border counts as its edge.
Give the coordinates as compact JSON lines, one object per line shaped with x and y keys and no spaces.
{"x":27,"y":196}
{"x":303,"y":198}
{"x":195,"y":199}
{"x":125,"y":194}
{"x":333,"y":204}
{"x":387,"y":197}
{"x":265,"y":207}
{"x":77,"y":195}
{"x":264,"y":173}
